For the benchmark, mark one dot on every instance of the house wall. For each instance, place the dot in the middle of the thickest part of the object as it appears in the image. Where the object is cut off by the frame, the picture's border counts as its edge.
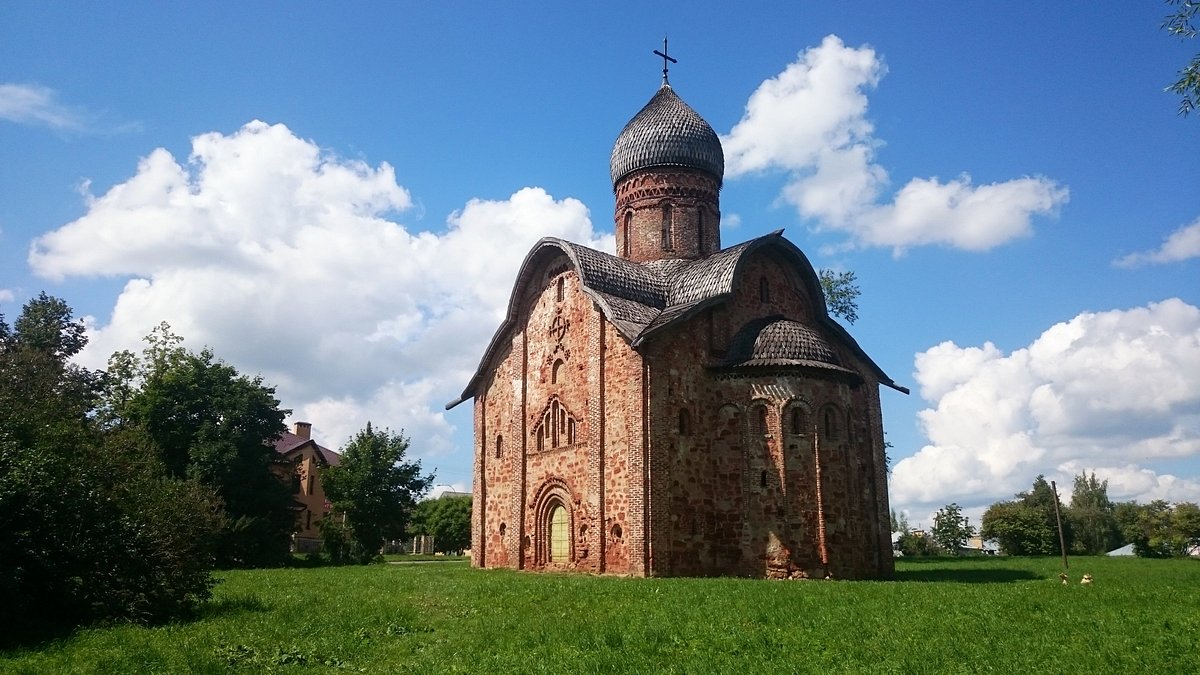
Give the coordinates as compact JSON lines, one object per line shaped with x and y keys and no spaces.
{"x":735,"y":491}
{"x":565,"y":397}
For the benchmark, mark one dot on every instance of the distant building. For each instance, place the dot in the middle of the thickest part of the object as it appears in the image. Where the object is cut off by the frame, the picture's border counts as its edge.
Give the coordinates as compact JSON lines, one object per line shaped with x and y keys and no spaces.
{"x":981,"y":546}
{"x":303,"y":459}
{"x":677,"y":409}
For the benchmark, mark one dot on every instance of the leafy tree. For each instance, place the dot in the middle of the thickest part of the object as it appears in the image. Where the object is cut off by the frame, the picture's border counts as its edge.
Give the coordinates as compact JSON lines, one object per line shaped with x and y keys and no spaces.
{"x":92,"y":526}
{"x":951,"y":530}
{"x":1026,"y":525}
{"x":899,"y":522}
{"x":1091,"y":515}
{"x":841,"y":293}
{"x":1160,"y":530}
{"x":917,"y":544}
{"x":374,"y":491}
{"x":1187,"y":87}
{"x":213,"y":425}
{"x":447,"y":520}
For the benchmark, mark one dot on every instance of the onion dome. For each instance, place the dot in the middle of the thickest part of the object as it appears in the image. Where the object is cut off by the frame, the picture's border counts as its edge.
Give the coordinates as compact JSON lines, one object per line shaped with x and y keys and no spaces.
{"x":667,"y":132}
{"x":775,"y":341}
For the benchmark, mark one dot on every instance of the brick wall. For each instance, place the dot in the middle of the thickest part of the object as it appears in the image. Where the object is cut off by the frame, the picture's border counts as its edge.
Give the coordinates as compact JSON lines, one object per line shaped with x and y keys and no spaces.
{"x":688,"y":228}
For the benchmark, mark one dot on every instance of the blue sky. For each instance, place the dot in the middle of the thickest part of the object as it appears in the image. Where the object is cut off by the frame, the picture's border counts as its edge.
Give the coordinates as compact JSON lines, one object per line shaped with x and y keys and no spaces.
{"x":337,"y":197}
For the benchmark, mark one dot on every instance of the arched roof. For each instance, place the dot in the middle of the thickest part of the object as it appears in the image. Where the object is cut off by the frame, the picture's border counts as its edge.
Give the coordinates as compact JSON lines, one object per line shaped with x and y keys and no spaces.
{"x":641,"y":300}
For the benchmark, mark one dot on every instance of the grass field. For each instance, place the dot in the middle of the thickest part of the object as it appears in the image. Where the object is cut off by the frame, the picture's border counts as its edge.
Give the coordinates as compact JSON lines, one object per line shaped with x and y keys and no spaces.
{"x":941,"y":616}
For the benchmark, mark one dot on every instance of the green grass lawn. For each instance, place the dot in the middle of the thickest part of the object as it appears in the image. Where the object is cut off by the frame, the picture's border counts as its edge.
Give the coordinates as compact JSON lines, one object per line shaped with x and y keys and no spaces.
{"x":1006,"y":615}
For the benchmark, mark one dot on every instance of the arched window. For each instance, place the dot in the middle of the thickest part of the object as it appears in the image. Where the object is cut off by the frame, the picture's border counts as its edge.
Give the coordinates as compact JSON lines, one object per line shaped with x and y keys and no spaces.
{"x":554,"y":371}
{"x":796,"y":421}
{"x":499,"y":446}
{"x":758,"y":421}
{"x":685,"y":422}
{"x":831,"y":423}
{"x":625,"y":232}
{"x":764,"y":289}
{"x":667,"y":244}
{"x":556,"y":428}
{"x":700,"y":229}
{"x":559,"y":292}
{"x":560,"y":535}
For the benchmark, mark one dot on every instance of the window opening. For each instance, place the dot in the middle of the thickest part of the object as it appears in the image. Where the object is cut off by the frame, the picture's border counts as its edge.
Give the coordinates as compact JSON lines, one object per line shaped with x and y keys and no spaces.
{"x":666,"y":227}
{"x":764,"y":289}
{"x":831,"y":424}
{"x":560,"y":288}
{"x":760,"y":420}
{"x":559,"y":534}
{"x":625,"y":233}
{"x":685,"y":422}
{"x":554,"y":371}
{"x":797,"y":419}
{"x":499,"y":446}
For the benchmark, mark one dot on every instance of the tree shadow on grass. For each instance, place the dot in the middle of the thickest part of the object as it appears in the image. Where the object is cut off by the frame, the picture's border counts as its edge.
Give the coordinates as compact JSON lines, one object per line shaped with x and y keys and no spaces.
{"x":233,"y":604}
{"x":963,"y":572}
{"x":36,"y":634}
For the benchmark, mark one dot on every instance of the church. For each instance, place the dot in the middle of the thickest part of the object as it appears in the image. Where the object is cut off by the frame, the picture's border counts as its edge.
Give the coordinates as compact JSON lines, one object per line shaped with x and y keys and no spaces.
{"x":679,"y":408}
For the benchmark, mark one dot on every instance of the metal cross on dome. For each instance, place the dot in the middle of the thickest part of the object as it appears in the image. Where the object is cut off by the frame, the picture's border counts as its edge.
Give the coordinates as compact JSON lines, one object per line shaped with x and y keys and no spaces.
{"x":665,"y":58}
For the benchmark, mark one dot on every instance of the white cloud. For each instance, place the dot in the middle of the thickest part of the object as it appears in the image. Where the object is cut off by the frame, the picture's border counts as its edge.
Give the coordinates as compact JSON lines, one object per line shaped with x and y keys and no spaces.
{"x":37,"y":105}
{"x":6,"y":295}
{"x":1182,"y":244}
{"x":289,"y":262}
{"x":1109,"y":391}
{"x":811,"y":122}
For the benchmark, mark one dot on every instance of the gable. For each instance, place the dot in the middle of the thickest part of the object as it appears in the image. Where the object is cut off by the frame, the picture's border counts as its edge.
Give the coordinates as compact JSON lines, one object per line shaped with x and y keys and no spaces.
{"x":643,"y":300}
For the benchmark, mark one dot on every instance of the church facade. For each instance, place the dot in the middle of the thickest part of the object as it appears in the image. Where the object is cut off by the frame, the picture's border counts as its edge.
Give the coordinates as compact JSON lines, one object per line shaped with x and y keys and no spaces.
{"x":677,"y":409}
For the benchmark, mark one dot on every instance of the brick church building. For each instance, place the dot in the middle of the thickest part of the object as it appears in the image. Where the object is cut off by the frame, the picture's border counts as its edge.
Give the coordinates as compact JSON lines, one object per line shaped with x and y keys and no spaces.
{"x":678,"y":409}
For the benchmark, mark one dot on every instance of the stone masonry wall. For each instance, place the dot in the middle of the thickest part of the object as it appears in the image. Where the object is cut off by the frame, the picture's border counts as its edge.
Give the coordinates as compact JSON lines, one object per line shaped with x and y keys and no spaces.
{"x":556,"y":425}
{"x":736,"y":480}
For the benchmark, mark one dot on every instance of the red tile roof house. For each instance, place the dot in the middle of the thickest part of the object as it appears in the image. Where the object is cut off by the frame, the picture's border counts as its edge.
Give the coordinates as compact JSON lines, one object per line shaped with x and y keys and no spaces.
{"x":297,"y":449}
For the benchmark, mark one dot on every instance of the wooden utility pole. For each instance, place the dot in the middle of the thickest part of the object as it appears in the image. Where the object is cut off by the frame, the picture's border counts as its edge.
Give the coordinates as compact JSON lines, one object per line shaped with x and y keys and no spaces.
{"x":1062,"y":542}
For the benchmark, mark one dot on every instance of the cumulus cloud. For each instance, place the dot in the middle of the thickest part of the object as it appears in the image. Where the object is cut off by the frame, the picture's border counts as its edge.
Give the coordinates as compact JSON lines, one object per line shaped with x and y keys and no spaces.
{"x":291,"y":262}
{"x":1115,"y":392}
{"x":1182,"y":244}
{"x":6,"y":295}
{"x":811,"y":122}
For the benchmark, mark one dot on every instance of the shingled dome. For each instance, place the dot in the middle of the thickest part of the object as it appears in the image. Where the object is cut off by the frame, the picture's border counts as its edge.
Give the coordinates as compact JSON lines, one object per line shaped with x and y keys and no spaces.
{"x":667,"y":132}
{"x":775,"y":341}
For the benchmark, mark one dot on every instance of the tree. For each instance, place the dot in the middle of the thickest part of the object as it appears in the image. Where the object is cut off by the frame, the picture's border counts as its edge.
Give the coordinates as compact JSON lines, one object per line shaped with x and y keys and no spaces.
{"x":213,"y":425}
{"x":1160,"y":530}
{"x":899,"y":522}
{"x":1026,"y":525}
{"x":951,"y":530}
{"x":1187,"y":87}
{"x":91,"y":526}
{"x":374,"y":489}
{"x":841,"y":293}
{"x":913,"y":544}
{"x":1091,"y":516}
{"x":447,"y":520}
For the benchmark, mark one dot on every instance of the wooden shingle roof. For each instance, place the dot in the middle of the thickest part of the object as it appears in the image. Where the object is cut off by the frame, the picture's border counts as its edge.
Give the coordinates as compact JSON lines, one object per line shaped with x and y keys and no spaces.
{"x":642,"y":299}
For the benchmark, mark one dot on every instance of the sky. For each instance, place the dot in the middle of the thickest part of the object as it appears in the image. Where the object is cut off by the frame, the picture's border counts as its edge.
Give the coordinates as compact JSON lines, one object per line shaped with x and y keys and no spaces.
{"x":336,"y":197}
